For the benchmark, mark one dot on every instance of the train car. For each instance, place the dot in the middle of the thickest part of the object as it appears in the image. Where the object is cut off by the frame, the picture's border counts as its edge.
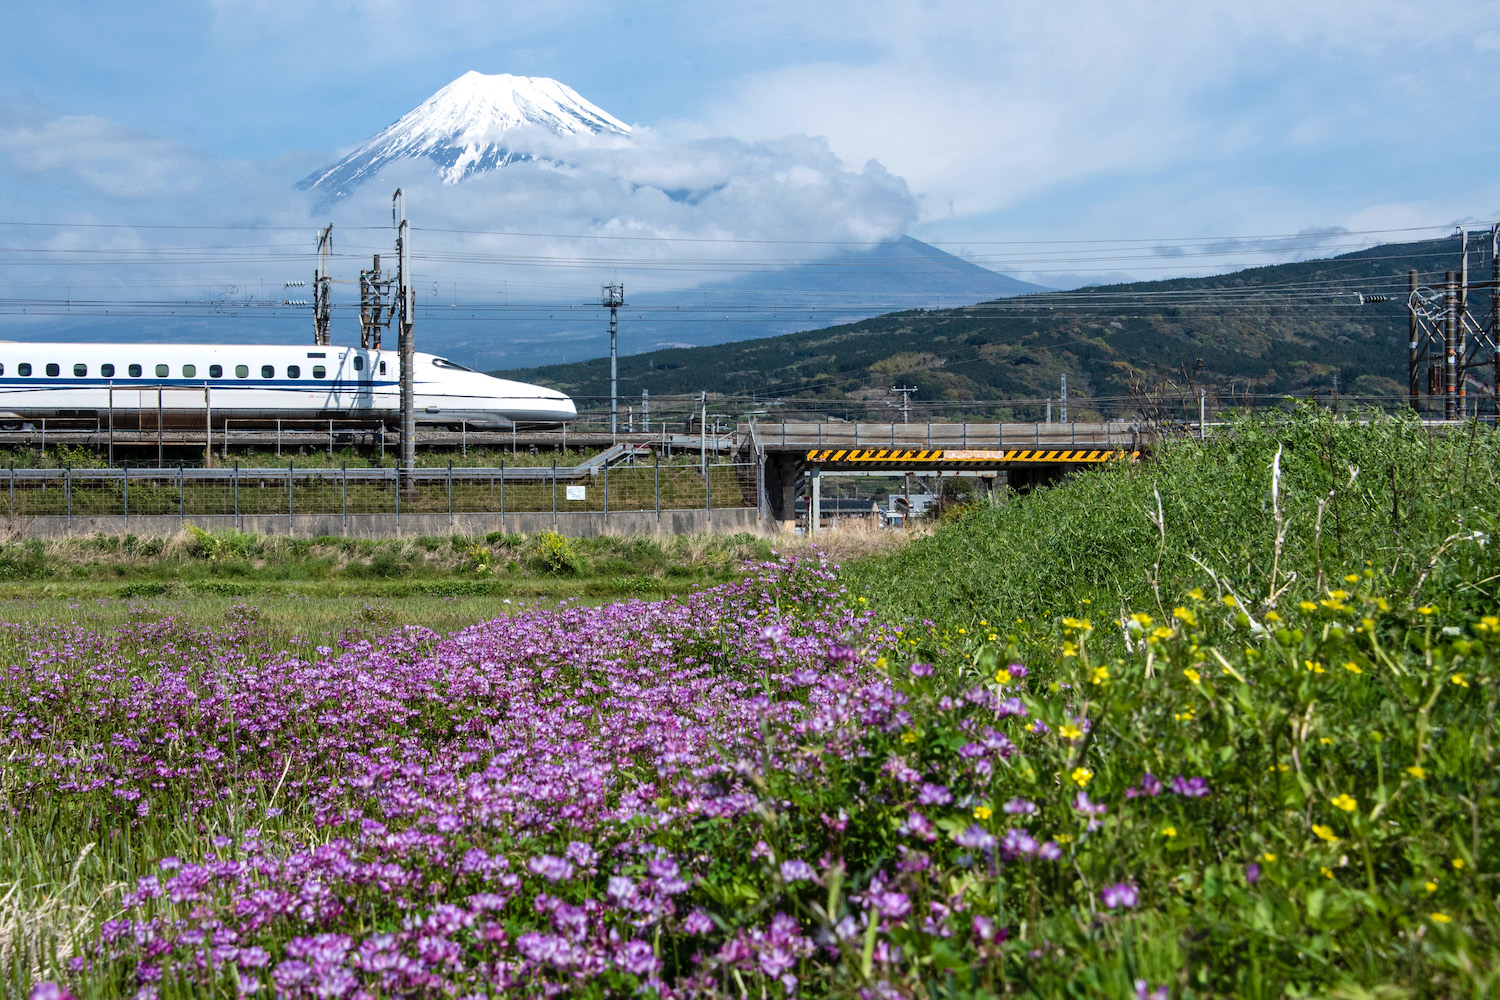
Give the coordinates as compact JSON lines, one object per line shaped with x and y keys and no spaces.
{"x":254,"y":382}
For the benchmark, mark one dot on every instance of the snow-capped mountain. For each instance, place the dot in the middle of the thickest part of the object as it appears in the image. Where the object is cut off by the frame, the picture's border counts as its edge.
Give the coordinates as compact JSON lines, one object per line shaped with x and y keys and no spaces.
{"x":462,"y":129}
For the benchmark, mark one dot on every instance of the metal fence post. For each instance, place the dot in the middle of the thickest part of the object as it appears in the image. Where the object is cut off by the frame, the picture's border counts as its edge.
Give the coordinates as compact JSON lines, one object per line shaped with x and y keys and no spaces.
{"x":657,"y":470}
{"x":708,"y":491}
{"x":125,"y":475}
{"x":68,"y":492}
{"x":181,"y":505}
{"x":606,"y":495}
{"x":450,"y":494}
{"x":289,"y":504}
{"x":554,"y":492}
{"x":236,"y":493}
{"x":502,"y":492}
{"x":12,"y":489}
{"x":345,"y":483}
{"x":398,"y":497}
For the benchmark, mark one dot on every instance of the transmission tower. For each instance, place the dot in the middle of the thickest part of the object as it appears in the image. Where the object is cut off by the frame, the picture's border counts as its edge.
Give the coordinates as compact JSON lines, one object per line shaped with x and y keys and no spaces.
{"x":322,"y":302}
{"x":403,"y":307}
{"x":612,"y":297}
{"x":1444,"y":336}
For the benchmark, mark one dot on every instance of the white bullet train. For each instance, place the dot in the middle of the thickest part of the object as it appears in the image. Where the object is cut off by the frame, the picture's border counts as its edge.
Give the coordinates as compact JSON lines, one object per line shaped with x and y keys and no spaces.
{"x":184,"y":382}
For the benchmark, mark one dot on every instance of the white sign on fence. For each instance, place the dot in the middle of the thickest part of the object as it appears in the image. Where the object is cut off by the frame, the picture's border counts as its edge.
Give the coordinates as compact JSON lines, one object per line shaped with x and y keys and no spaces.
{"x":577,"y":492}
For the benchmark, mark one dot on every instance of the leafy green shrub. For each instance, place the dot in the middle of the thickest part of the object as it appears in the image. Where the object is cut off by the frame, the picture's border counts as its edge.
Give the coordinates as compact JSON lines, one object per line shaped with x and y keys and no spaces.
{"x":553,"y":554}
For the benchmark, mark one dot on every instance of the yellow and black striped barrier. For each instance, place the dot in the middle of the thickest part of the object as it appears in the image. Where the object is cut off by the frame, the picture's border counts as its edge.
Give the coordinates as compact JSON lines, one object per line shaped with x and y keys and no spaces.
{"x":968,"y":456}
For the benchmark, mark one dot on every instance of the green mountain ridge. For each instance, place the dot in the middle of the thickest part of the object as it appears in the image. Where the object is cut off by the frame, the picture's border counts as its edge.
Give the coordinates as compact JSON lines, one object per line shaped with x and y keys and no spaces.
{"x":1285,"y":329}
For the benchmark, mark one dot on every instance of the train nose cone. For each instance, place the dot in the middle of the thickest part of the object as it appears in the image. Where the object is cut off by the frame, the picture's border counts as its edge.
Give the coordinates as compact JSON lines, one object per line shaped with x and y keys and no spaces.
{"x":566,"y":409}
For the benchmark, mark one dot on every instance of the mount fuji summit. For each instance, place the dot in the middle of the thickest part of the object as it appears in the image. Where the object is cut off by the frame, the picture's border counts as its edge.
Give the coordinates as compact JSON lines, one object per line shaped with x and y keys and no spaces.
{"x":462,"y":129}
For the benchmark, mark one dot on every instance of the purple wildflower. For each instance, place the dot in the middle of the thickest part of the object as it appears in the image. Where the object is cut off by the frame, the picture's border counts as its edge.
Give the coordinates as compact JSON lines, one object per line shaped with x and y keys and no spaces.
{"x":921,"y":670}
{"x":551,"y":868}
{"x":1252,"y":873}
{"x":797,"y":870}
{"x":1121,"y":894}
{"x":1193,"y":788}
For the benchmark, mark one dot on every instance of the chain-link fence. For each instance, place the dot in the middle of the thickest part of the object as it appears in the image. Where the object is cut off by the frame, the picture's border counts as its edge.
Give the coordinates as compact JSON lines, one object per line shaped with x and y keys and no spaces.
{"x":183,"y":491}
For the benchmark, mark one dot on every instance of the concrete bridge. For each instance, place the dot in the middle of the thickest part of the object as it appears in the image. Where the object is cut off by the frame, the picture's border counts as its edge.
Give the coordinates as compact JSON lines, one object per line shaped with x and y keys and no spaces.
{"x":794,"y":457}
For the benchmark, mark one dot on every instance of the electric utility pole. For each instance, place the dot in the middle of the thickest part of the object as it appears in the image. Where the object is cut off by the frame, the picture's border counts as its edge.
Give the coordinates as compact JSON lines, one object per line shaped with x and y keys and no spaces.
{"x":322,"y":304}
{"x":612,"y":297}
{"x":905,"y":404}
{"x":373,"y":316}
{"x":1063,"y":399}
{"x":404,"y":307}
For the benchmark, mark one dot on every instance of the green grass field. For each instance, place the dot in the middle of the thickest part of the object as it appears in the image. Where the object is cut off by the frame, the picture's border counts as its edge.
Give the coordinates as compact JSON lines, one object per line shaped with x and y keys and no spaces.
{"x":1222,"y":724}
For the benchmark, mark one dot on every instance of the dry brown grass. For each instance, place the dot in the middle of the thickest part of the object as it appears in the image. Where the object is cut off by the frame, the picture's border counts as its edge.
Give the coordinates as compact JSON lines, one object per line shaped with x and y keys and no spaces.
{"x":852,"y":539}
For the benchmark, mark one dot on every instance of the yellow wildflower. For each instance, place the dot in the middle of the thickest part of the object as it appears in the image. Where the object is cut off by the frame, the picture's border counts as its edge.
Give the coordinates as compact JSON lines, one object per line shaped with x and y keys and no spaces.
{"x":1272,"y":616}
{"x":1229,"y":600}
{"x":1192,"y":675}
{"x":1161,"y":632}
{"x":1186,"y":716}
{"x":1325,"y":741}
{"x":983,"y":622}
{"x":1430,"y":886}
{"x":1426,"y":609}
{"x":1064,"y":838}
{"x":1325,"y":833}
{"x":1339,"y":595}
{"x":1068,"y":731}
{"x":1353,"y":668}
{"x":1417,"y":771}
{"x":1441,"y":918}
{"x":1460,"y":680}
{"x":1196,"y":593}
{"x":880,"y":663}
{"x":1352,"y":578}
{"x":1081,"y":776}
{"x":1382,"y":604}
{"x":1346,"y":802}
{"x":1458,"y":863}
{"x":1069,"y":649}
{"x":1078,"y":624}
{"x":1327,"y":872}
{"x":1141,"y":618}
{"x":908,"y":737}
{"x":1268,"y":857}
{"x":1183,"y":614}
{"x":1002,"y":677}
{"x":1169,"y":831}
{"x":983,"y":812}
{"x":1307,"y":606}
{"x":963,"y":631}
{"x":1314,"y":666}
{"x":1100,"y":675}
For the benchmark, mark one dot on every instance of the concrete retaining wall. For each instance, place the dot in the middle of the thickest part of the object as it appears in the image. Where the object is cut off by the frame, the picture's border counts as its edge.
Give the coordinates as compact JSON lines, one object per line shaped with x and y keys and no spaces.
{"x":578,"y":524}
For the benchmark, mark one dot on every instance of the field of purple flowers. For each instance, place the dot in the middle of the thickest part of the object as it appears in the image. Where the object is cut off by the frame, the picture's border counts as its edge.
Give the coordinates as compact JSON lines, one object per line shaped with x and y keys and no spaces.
{"x":761,"y":790}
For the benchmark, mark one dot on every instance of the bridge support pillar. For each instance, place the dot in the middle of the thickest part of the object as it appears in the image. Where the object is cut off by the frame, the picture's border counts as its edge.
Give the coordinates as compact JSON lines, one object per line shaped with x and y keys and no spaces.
{"x":782,"y":471}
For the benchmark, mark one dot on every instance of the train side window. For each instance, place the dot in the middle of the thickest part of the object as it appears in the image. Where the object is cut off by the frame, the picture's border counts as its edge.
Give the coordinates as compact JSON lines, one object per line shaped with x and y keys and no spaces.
{"x":80,"y":371}
{"x":162,"y":371}
{"x":53,"y":371}
{"x":2,"y":368}
{"x":135,"y":371}
{"x":382,"y":367}
{"x":267,"y":371}
{"x":188,"y":371}
{"x":292,"y":371}
{"x":24,"y":369}
{"x":318,"y":371}
{"x":359,"y":363}
{"x":241,"y":371}
{"x":108,"y":371}
{"x":215,"y":371}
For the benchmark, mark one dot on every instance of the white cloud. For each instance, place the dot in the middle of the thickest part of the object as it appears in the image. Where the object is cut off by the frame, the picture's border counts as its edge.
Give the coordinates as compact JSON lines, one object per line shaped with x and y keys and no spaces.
{"x":103,"y":156}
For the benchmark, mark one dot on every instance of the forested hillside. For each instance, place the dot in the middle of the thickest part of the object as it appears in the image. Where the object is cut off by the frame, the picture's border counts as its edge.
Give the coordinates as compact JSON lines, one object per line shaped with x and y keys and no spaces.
{"x":1285,"y":329}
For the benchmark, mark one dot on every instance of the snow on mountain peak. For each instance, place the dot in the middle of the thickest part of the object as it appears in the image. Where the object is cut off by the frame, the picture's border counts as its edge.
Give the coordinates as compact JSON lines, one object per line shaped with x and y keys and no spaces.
{"x":461,"y":128}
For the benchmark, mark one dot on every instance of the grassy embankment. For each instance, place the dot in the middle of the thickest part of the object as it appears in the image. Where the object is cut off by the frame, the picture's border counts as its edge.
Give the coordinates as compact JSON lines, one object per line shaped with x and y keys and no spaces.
{"x":1252,"y":752}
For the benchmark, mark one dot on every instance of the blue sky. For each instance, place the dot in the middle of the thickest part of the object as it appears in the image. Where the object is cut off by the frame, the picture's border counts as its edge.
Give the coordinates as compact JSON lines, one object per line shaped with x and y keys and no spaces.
{"x":1160,"y":122}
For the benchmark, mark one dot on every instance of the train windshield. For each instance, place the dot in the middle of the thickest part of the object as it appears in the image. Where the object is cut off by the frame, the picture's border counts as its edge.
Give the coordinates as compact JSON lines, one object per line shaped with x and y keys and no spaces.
{"x":445,"y":363}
